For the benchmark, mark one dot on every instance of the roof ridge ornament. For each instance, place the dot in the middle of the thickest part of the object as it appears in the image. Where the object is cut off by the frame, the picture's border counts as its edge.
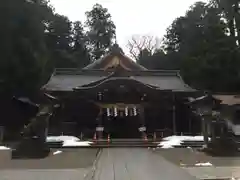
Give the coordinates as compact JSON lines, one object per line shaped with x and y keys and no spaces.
{"x":116,"y":49}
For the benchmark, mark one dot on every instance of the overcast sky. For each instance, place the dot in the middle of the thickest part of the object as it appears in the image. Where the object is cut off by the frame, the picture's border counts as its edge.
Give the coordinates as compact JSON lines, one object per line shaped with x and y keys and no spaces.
{"x":131,"y":17}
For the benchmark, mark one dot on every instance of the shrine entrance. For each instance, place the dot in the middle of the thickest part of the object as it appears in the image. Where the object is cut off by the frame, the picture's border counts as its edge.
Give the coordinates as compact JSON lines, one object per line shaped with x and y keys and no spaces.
{"x":123,"y":127}
{"x":121,"y":122}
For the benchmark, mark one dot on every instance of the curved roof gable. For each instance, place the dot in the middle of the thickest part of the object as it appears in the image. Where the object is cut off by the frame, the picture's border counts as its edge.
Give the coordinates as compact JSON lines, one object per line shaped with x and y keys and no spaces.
{"x":114,"y":59}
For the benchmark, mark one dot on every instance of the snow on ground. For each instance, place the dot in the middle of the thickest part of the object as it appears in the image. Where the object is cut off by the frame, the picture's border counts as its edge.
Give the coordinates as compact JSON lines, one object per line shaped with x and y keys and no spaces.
{"x":57,"y":152}
{"x":68,"y":141}
{"x":4,"y":148}
{"x":203,"y":164}
{"x":61,"y":138}
{"x":171,"y":141}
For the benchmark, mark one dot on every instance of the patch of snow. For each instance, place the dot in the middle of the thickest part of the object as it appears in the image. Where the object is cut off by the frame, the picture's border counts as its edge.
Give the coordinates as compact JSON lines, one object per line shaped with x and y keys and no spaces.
{"x":72,"y":143}
{"x":184,"y":138}
{"x":191,"y":149}
{"x":68,"y":141}
{"x":236,"y":129}
{"x":203,"y":164}
{"x":57,"y":152}
{"x":234,"y":178}
{"x":61,"y":138}
{"x":4,"y":148}
{"x":169,"y":142}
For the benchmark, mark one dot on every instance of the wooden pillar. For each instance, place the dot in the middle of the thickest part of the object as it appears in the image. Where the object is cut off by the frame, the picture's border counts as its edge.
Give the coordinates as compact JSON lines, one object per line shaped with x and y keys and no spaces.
{"x":142,"y":129}
{"x":174,"y":119}
{"x":1,"y":133}
{"x":142,"y":115}
{"x":213,"y":131}
{"x":190,"y":125}
{"x":174,"y":115}
{"x":99,"y":128}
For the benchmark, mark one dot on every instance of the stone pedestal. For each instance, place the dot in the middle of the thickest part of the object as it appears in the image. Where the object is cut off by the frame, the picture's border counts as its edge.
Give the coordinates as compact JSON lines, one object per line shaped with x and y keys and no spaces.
{"x":31,"y":148}
{"x":100,"y":132}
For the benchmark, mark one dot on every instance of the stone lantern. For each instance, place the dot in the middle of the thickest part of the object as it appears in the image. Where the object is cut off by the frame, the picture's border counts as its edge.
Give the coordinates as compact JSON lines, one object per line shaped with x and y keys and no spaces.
{"x":203,"y":107}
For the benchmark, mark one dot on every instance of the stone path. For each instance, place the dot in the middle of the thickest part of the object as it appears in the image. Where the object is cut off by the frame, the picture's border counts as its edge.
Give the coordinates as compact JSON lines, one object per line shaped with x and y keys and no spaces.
{"x":44,"y":174}
{"x":136,"y":164}
{"x":214,"y":172}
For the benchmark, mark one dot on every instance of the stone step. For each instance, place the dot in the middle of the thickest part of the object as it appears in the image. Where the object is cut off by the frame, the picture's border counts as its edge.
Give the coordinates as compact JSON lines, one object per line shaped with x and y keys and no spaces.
{"x":115,"y":146}
{"x":105,"y":143}
{"x":185,"y":146}
{"x":192,"y":144}
{"x":128,"y":140}
{"x":54,"y":144}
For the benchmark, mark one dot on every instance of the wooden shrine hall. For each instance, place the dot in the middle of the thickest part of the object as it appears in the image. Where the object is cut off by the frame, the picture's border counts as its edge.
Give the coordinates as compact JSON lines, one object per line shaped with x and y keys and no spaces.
{"x":114,"y":95}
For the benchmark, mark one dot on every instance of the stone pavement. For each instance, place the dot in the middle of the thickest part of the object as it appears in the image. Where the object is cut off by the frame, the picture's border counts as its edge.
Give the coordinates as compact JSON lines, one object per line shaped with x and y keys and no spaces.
{"x":214,"y":172}
{"x":45,"y":174}
{"x":71,"y":164}
{"x":117,"y":164}
{"x":136,"y":164}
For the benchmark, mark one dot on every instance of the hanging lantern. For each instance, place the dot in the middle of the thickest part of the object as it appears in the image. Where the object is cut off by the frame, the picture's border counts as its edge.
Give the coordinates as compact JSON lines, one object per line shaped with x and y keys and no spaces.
{"x":135,"y":111}
{"x":108,"y":112}
{"x":126,"y":111}
{"x":100,"y":96}
{"x":115,"y":112}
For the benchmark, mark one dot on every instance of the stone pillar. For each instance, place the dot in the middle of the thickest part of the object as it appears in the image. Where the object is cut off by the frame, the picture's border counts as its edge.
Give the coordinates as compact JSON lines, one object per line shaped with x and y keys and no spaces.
{"x":99,"y":130}
{"x":47,"y":125}
{"x":205,"y":130}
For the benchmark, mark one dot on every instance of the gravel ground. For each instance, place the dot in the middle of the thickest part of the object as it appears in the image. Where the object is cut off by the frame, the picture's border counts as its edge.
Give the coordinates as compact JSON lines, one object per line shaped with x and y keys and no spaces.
{"x":68,"y":159}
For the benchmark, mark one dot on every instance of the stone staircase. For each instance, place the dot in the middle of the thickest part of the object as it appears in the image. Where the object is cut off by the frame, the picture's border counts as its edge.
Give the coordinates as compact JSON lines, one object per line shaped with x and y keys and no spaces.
{"x":104,"y":143}
{"x":126,"y":143}
{"x":55,"y":144}
{"x":192,"y":144}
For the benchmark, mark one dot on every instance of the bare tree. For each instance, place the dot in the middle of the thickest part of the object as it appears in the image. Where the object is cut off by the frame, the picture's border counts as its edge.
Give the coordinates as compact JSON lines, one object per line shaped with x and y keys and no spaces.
{"x":139,"y":43}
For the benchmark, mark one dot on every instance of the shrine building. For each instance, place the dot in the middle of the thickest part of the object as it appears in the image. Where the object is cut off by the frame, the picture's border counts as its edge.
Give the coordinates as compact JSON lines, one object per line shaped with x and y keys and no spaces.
{"x":115,"y":95}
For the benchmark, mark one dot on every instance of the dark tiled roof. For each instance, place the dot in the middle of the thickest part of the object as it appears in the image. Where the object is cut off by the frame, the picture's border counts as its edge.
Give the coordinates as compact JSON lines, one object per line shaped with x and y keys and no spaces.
{"x":164,"y":82}
{"x":68,"y":80}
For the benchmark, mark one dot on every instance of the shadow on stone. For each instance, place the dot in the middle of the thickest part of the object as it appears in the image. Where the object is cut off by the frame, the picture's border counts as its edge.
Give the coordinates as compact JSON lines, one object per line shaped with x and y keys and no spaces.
{"x":222,"y":148}
{"x":31,"y":148}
